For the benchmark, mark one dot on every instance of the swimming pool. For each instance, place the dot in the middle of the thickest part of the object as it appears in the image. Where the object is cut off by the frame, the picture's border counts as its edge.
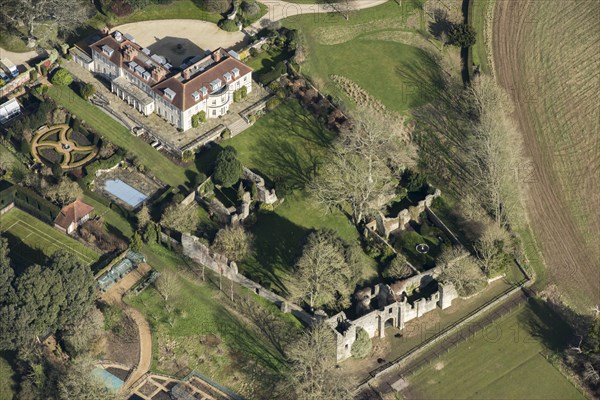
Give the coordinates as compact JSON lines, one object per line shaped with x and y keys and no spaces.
{"x":123,"y":191}
{"x":109,"y":380}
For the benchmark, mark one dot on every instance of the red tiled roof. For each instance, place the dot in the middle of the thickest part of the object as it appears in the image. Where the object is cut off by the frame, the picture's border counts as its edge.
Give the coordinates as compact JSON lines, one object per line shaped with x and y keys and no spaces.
{"x":73,"y":212}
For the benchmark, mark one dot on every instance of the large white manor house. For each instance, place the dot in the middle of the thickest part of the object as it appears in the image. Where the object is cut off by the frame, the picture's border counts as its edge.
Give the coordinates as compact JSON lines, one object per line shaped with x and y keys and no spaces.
{"x":151,"y":85}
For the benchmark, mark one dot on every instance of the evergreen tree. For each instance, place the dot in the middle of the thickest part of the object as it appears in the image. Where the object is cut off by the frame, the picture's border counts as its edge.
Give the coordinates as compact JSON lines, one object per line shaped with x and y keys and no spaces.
{"x":228,"y":169}
{"x":6,"y":272}
{"x":78,"y":284}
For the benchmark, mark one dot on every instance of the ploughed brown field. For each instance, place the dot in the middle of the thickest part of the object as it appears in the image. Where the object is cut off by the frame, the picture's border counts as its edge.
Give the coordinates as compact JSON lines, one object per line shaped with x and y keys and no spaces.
{"x":547,"y":55}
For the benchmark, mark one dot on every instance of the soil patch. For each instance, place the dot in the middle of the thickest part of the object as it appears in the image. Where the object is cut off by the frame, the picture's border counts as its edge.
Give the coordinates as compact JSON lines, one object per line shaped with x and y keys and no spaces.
{"x":122,"y":345}
{"x":542,"y":58}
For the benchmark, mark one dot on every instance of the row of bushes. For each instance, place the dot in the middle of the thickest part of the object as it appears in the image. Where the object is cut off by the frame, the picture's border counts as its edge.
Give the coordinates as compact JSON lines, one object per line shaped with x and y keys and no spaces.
{"x":29,"y":201}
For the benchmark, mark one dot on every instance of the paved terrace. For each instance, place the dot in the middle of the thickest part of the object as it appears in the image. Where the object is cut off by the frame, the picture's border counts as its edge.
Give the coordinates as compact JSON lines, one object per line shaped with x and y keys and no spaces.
{"x":157,"y":126}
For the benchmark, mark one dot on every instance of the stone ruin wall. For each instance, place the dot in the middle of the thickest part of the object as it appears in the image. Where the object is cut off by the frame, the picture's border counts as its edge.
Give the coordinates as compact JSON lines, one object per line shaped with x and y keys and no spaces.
{"x":264,"y":195}
{"x":398,"y":311}
{"x":233,"y":215}
{"x":199,"y":252}
{"x":384,"y":226}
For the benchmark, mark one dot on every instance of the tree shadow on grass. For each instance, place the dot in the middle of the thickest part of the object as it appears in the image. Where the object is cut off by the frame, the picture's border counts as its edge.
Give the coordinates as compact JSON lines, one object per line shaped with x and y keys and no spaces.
{"x":286,"y":162}
{"x":21,"y":255}
{"x":278,"y":245}
{"x":423,"y":77}
{"x":444,"y":134}
{"x":303,"y":125}
{"x":293,"y":152}
{"x":252,"y":354}
{"x":440,"y":27}
{"x":546,"y":325}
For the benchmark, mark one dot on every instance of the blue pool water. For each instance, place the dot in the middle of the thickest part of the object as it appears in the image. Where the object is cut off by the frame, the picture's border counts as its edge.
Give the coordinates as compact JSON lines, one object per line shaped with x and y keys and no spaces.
{"x":109,"y":380}
{"x":123,"y":191}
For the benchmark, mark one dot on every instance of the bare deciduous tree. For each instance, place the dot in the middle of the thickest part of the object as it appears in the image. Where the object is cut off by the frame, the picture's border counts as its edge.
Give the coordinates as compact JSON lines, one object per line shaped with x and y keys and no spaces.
{"x":344,"y":7}
{"x":143,"y":217}
{"x":166,"y":284}
{"x":489,"y":248}
{"x":360,"y":171}
{"x":497,"y":156}
{"x":67,"y":14}
{"x":234,"y":241}
{"x":312,"y":366}
{"x":460,"y":270}
{"x":321,"y":274}
{"x":590,"y":374}
{"x":180,"y":218}
{"x":64,"y":192}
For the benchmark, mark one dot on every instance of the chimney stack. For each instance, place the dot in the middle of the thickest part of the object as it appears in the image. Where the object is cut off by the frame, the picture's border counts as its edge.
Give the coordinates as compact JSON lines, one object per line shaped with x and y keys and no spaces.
{"x":186,"y":74}
{"x":130,"y":53}
{"x":158,"y":73}
{"x":217,"y":55}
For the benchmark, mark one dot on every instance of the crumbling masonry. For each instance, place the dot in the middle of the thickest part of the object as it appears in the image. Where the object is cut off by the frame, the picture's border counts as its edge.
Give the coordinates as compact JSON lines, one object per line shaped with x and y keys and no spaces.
{"x":391,"y":309}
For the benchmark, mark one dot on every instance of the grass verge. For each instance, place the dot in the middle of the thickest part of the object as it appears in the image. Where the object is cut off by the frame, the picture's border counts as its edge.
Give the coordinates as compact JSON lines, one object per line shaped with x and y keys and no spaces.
{"x":479,"y":16}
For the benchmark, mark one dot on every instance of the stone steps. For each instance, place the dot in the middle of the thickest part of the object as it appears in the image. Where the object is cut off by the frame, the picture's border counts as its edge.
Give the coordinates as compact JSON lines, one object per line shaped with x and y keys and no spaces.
{"x":238,"y":126}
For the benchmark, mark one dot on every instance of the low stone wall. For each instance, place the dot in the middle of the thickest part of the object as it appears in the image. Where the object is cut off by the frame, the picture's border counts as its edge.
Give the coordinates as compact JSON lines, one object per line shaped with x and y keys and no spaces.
{"x":201,"y":253}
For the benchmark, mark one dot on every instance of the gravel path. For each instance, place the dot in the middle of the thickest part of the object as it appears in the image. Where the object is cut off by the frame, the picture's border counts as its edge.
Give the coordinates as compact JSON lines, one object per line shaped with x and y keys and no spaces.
{"x":17,"y":58}
{"x":207,"y":36}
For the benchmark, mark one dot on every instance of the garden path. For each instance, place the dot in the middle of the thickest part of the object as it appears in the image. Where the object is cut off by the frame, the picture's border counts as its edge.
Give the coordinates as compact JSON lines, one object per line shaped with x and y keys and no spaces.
{"x":115,"y":296}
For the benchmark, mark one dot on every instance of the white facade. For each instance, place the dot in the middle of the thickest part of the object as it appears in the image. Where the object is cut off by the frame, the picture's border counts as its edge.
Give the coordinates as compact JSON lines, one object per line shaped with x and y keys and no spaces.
{"x":154,"y":94}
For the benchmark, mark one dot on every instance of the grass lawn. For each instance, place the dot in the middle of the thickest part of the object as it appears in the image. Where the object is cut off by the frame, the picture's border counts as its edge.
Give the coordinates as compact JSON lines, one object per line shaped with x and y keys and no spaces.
{"x":161,"y":166}
{"x":287,"y":145}
{"x":203,"y":331}
{"x":7,"y":381}
{"x":479,"y":14}
{"x":11,"y":42}
{"x":179,"y":9}
{"x":115,"y":223}
{"x":503,"y":363}
{"x":402,"y":76}
{"x":265,"y":61}
{"x":32,"y":241}
{"x":9,"y":158}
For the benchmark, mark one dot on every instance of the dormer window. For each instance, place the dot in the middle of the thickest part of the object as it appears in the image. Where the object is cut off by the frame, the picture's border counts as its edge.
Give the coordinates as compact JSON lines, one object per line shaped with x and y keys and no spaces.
{"x":132,"y":65}
{"x":216,"y":84}
{"x":196,"y":96}
{"x":235,"y":72}
{"x":107,"y":50}
{"x":146,"y":75}
{"x":227,"y":76}
{"x":204,"y":91}
{"x":140,"y":70}
{"x":169,"y":93}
